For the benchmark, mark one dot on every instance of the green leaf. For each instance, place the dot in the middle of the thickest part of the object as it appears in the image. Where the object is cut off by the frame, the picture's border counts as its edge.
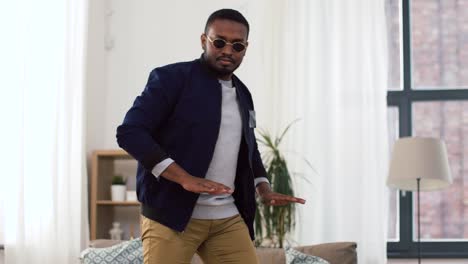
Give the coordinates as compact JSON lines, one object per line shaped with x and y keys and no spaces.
{"x":286,"y":130}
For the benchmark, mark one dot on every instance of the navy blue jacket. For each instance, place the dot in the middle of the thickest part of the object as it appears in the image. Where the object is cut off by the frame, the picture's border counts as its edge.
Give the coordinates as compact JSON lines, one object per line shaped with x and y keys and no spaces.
{"x":178,"y":115}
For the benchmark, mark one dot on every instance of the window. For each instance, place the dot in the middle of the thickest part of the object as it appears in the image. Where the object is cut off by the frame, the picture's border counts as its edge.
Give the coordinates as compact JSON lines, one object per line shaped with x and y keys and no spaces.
{"x":428,"y":96}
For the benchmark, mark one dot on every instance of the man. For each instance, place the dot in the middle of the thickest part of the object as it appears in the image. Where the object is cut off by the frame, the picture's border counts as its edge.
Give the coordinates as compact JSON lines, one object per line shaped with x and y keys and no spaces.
{"x":192,"y":132}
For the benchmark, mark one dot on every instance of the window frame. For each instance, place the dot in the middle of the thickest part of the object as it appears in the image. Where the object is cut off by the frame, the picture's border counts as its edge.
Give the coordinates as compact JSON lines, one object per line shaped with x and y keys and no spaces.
{"x":403,"y":99}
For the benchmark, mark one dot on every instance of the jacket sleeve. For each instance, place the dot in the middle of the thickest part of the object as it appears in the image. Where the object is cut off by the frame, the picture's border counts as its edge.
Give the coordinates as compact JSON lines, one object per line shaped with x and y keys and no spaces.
{"x":149,"y":111}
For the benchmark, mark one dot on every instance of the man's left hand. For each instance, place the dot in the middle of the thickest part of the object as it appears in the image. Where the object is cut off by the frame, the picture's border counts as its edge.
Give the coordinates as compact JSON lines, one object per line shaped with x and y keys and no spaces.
{"x":273,"y":198}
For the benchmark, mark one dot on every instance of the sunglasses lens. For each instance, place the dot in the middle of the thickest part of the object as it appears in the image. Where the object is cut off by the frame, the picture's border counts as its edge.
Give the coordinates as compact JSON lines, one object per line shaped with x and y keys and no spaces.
{"x":238,"y":47}
{"x":219,"y":43}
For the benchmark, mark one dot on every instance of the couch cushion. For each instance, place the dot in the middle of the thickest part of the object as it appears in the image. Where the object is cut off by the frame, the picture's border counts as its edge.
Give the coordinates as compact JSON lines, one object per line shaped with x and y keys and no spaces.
{"x":126,"y":252}
{"x":335,"y":253}
{"x":296,"y":257}
{"x":271,"y":255}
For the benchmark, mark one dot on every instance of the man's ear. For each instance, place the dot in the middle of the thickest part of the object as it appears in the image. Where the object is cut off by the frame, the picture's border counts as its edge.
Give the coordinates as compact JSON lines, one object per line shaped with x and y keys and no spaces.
{"x":203,"y":41}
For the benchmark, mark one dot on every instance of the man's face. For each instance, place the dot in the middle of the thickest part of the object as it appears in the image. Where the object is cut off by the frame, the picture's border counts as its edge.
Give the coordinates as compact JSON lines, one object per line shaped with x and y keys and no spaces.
{"x":224,"y":60}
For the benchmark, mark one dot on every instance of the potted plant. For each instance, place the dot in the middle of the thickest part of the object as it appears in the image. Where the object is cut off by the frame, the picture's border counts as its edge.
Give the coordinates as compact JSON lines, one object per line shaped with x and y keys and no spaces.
{"x":272,"y":223}
{"x":118,"y":188}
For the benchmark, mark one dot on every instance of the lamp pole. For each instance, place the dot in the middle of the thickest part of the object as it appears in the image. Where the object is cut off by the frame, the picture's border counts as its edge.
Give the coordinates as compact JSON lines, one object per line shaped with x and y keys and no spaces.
{"x":419,"y":224}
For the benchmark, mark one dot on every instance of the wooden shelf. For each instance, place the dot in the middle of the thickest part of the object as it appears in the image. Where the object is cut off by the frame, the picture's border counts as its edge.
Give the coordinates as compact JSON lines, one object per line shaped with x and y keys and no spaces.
{"x":113,"y":153}
{"x":123,"y":203}
{"x":103,"y":211}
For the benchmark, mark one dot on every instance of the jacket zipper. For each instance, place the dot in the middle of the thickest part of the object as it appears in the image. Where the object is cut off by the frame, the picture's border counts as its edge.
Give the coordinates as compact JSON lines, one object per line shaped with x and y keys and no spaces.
{"x":217,"y":135}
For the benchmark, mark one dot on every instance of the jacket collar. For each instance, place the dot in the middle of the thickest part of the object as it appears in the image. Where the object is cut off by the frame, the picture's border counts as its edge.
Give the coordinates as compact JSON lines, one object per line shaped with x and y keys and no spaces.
{"x":207,"y":69}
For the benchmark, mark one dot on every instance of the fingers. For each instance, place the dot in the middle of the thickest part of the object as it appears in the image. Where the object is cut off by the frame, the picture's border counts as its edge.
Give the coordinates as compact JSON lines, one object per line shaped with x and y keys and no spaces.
{"x":211,"y":187}
{"x":281,"y":199}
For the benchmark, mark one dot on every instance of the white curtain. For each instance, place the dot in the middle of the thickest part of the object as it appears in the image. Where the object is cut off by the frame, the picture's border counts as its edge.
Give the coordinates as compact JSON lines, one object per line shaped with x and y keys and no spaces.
{"x":44,"y":181}
{"x":325,"y":62}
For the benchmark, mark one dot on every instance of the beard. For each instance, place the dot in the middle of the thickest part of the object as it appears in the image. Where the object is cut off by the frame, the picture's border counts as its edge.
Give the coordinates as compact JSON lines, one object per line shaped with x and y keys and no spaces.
{"x":220,"y":70}
{"x":224,"y":70}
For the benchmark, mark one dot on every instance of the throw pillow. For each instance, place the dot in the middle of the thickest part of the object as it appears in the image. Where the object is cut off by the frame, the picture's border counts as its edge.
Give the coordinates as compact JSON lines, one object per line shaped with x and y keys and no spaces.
{"x":296,"y":257}
{"x":128,"y":252}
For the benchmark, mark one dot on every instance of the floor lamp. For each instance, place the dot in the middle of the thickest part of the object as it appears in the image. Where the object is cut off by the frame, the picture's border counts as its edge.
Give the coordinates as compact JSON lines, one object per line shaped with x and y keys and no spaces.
{"x":419,"y":164}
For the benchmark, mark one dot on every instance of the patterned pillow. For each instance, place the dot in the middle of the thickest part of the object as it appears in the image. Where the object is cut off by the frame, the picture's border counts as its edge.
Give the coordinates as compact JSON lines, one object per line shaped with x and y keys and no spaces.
{"x":128,"y":252}
{"x":296,"y":257}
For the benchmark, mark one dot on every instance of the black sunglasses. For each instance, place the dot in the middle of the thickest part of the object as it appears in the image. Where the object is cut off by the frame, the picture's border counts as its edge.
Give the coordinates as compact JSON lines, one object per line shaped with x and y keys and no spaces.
{"x":220,"y":43}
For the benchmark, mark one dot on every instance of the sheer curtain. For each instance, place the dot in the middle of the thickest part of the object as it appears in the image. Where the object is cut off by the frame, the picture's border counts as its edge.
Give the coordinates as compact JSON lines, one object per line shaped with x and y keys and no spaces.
{"x":325,"y":62}
{"x":44,"y":189}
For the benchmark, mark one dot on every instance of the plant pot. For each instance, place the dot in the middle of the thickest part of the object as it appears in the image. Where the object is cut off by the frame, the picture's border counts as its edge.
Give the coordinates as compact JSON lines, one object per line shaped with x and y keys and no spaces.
{"x":118,"y":193}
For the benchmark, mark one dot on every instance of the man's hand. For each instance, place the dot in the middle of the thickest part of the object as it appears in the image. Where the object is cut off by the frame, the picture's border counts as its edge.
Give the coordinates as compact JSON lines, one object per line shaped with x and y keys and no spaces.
{"x":199,"y":185}
{"x":191,"y":183}
{"x":268,"y":197}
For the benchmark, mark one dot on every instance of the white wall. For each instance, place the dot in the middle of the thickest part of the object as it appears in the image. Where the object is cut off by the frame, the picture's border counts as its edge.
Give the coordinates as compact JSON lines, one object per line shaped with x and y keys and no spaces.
{"x":96,"y":76}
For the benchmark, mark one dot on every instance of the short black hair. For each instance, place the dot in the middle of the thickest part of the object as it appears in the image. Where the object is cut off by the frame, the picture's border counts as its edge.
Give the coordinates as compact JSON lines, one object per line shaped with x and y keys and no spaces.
{"x":229,"y":14}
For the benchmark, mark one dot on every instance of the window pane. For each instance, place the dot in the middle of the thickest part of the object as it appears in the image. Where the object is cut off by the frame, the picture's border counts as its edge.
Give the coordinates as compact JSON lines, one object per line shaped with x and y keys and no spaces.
{"x":393,"y":134}
{"x":393,"y":12}
{"x":444,"y":213}
{"x":439,"y":35}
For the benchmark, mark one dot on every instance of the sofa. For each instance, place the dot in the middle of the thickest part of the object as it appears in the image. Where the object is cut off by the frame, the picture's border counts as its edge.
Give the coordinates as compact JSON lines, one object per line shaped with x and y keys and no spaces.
{"x":335,"y":253}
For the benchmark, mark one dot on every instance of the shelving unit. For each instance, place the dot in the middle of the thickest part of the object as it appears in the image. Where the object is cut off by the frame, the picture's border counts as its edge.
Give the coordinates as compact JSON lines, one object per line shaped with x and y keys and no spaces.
{"x":107,"y":202}
{"x":102,"y":209}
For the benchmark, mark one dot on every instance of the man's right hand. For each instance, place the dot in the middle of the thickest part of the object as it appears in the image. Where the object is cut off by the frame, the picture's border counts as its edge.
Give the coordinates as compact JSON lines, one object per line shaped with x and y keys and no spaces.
{"x":191,"y":183}
{"x":199,"y":185}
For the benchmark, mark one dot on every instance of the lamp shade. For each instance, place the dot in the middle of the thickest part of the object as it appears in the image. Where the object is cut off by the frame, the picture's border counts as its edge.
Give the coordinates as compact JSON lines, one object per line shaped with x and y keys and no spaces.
{"x":424,"y":158}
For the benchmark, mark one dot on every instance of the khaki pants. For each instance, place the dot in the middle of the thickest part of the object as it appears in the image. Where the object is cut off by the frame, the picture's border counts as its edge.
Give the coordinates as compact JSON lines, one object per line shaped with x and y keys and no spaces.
{"x":216,"y":242}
